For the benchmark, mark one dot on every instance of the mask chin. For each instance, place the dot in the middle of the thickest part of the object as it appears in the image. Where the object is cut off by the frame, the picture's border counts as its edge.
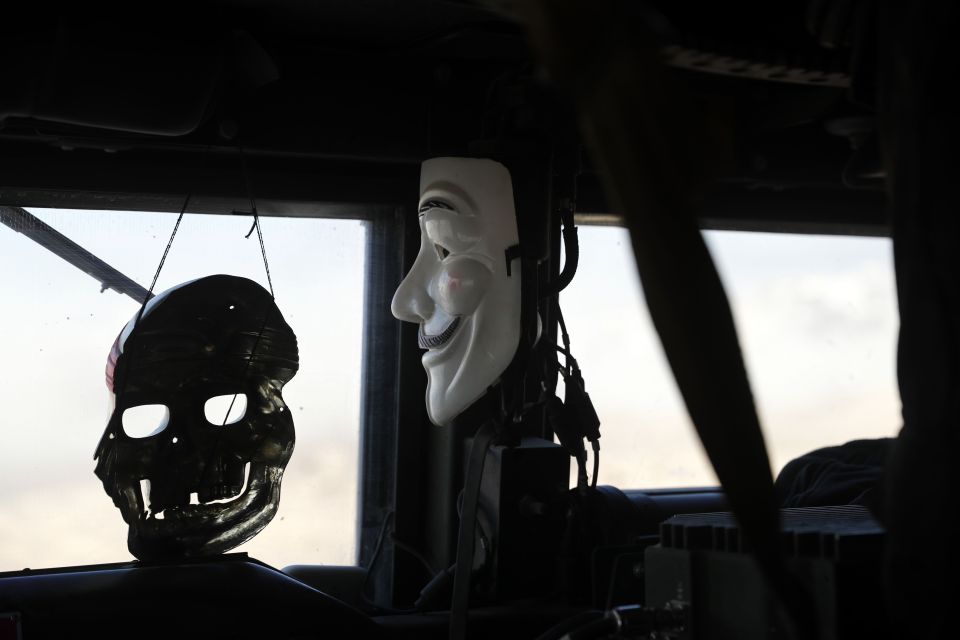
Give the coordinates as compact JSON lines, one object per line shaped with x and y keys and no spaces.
{"x":473,"y":361}
{"x":448,"y":378}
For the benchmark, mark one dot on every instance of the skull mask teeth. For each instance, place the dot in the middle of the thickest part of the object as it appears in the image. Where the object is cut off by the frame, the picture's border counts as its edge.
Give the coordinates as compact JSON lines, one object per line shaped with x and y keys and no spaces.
{"x":195,"y":487}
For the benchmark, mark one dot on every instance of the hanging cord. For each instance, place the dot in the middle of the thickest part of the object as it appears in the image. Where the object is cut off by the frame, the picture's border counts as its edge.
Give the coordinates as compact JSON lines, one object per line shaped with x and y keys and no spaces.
{"x":571,"y":247}
{"x":577,"y":401}
{"x":568,"y":355}
{"x":266,"y":267}
{"x":575,"y":418}
{"x":163,"y":259}
{"x":263,"y":249}
{"x":256,"y":218}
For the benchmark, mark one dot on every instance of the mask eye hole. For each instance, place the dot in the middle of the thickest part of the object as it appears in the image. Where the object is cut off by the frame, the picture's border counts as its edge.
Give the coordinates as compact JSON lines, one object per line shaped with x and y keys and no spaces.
{"x":146,"y":420}
{"x":442,"y":252}
{"x":225,"y":410}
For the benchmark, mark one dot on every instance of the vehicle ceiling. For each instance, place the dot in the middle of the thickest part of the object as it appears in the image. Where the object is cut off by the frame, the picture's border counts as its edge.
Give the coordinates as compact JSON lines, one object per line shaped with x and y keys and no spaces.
{"x":337,"y":103}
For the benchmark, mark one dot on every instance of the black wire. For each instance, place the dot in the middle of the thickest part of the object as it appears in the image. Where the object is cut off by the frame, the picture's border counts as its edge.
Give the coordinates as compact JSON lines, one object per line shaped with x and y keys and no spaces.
{"x":263,"y":250}
{"x":571,"y":362}
{"x":563,"y":329}
{"x":565,"y":337}
{"x":596,"y":462}
{"x":564,"y":350}
{"x":571,"y":245}
{"x":163,"y":258}
{"x":582,"y":480}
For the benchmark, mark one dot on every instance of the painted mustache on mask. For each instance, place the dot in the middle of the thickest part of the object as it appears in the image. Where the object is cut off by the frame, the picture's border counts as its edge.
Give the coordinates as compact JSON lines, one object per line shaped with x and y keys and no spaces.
{"x":438,"y":340}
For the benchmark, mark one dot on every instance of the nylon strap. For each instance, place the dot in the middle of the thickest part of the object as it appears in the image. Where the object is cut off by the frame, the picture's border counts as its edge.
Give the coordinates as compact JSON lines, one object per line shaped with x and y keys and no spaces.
{"x":466,"y":538}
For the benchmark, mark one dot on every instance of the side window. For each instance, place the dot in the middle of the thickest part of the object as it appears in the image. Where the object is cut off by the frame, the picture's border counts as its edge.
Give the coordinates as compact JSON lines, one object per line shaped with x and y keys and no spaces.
{"x":58,"y":329}
{"x":817,"y":322}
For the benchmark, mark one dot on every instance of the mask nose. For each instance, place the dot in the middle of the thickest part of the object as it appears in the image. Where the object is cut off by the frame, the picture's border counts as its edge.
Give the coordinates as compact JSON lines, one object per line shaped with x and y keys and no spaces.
{"x":411,"y":302}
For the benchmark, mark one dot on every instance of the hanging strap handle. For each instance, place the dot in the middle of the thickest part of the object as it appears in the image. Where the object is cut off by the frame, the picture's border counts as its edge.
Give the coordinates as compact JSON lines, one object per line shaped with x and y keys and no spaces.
{"x":652,"y":148}
{"x":467,"y":536}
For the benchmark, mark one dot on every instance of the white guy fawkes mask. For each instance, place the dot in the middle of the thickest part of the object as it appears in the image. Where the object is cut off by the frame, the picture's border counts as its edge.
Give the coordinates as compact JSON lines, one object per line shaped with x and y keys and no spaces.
{"x":458,"y":289}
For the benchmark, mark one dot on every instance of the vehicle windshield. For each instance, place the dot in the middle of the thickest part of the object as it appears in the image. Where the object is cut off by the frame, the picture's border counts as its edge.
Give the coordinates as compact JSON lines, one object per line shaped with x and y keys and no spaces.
{"x":816,"y":317}
{"x":58,"y":330}
{"x":817,"y":321}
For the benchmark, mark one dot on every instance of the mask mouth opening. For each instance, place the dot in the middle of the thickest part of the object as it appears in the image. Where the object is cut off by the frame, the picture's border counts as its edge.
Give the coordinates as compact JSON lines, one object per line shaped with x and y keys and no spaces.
{"x":194,"y":508}
{"x":437,"y":340}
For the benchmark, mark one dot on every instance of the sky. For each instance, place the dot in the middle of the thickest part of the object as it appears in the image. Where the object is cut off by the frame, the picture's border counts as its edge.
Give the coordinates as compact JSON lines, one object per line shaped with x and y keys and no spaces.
{"x":816,"y":315}
{"x":817,"y":321}
{"x":59,"y":328}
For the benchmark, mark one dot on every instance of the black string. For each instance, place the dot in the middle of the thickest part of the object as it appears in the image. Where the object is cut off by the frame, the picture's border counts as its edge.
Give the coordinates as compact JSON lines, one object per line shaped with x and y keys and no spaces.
{"x":256,"y":218}
{"x":163,"y":259}
{"x":263,"y":251}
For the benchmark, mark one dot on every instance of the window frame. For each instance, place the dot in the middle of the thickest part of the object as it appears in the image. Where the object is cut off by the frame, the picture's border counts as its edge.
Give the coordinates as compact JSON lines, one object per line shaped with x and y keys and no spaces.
{"x":380,"y":391}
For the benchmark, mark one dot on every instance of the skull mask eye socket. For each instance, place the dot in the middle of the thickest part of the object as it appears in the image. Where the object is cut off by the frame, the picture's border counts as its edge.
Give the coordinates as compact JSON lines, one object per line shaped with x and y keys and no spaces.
{"x":145,"y":420}
{"x":226,"y":409}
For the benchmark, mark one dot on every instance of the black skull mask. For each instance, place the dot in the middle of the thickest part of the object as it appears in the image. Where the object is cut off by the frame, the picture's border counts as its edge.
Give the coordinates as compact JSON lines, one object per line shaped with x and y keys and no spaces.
{"x":219,"y":335}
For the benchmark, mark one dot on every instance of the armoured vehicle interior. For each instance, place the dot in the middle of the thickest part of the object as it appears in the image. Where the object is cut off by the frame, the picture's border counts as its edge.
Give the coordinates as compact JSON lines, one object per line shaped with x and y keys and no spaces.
{"x":662,"y":122}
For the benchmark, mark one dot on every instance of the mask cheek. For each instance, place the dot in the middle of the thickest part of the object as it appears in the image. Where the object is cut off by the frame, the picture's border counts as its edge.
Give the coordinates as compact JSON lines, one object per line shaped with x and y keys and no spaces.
{"x":461,"y":285}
